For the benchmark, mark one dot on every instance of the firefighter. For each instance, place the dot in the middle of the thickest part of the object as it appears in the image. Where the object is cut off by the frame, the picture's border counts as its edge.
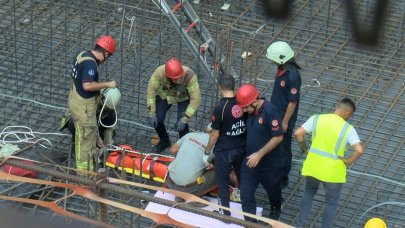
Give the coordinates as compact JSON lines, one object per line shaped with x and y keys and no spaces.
{"x":228,"y":136}
{"x":264,"y":161}
{"x":84,"y":98}
{"x":169,"y":84}
{"x":285,"y":95}
{"x":107,"y":114}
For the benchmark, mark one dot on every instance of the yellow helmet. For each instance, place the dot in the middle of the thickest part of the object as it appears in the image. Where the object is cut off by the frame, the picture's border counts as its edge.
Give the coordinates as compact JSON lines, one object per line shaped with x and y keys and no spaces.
{"x":375,"y":223}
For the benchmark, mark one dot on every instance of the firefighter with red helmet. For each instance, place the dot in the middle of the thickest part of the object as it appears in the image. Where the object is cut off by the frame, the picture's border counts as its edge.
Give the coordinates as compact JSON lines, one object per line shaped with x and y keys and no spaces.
{"x":84,"y":98}
{"x":264,"y":160}
{"x":169,"y":84}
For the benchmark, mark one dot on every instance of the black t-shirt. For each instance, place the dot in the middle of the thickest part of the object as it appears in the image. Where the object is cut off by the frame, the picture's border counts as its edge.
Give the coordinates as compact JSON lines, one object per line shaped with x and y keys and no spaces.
{"x":230,"y":120}
{"x":260,"y":129}
{"x":287,"y":88}
{"x":86,"y":71}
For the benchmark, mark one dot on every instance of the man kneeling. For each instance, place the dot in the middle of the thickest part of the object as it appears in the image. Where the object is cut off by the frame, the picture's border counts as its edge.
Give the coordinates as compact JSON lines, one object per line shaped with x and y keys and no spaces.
{"x":190,"y":171}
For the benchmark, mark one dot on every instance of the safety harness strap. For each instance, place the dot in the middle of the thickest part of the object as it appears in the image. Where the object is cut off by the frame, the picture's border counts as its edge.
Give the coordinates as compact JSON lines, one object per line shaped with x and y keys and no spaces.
{"x":151,"y":168}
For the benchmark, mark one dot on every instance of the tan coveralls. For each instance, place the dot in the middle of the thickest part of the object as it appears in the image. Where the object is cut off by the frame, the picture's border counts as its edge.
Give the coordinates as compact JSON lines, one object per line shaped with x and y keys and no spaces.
{"x":86,"y":132}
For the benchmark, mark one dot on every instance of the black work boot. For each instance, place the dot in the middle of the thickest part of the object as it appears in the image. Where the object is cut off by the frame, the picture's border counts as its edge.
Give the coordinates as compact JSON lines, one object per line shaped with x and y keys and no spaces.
{"x":224,"y":212}
{"x":161,"y":146}
{"x":221,"y":213}
{"x":275,"y":212}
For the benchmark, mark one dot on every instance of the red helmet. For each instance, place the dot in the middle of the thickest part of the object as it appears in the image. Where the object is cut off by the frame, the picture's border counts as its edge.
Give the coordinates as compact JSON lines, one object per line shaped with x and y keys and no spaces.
{"x":246,"y":94}
{"x":106,"y":42}
{"x":173,"y":69}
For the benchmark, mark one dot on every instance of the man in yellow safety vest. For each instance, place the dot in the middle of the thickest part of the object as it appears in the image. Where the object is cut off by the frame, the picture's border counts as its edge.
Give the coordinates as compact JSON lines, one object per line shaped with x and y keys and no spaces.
{"x":325,"y":162}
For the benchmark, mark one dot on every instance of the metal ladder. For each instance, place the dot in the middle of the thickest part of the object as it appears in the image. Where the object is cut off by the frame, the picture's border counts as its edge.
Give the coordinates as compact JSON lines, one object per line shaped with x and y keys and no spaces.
{"x":208,"y":43}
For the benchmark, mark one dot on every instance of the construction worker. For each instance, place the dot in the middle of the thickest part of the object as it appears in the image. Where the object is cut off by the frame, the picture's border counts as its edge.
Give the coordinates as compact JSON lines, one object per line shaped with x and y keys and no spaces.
{"x":169,"y":84}
{"x":107,"y":113}
{"x":375,"y":223}
{"x":229,"y":138}
{"x":325,"y":162}
{"x":264,"y":161}
{"x":190,"y":171}
{"x":286,"y":94}
{"x":84,"y":98}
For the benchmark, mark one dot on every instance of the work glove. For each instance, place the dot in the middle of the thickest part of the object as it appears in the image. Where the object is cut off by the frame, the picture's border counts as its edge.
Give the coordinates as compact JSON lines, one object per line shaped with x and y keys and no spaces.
{"x":153,"y":121}
{"x":100,"y":143}
{"x":182,"y":123}
{"x":205,"y":159}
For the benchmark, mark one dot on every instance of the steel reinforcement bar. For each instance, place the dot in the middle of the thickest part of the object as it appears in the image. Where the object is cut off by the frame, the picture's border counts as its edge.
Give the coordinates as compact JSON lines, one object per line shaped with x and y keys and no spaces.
{"x":125,"y":191}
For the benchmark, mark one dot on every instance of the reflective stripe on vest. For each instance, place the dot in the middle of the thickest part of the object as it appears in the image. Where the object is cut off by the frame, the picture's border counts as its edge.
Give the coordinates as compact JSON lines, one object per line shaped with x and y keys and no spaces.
{"x":322,"y":161}
{"x":341,"y":137}
{"x":337,"y":144}
{"x":80,"y":58}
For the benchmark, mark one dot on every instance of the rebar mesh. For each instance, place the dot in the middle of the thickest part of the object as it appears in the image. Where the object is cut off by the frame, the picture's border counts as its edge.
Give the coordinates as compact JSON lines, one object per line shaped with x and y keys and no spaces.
{"x":40,"y":37}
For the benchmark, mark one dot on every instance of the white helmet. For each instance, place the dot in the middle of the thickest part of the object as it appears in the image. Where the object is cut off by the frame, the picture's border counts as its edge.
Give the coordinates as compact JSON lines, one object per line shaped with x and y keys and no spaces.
{"x":112,"y":97}
{"x":279,"y":52}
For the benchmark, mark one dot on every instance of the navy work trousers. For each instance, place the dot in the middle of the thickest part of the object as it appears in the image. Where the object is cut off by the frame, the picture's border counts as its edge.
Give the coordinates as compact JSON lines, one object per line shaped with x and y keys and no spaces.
{"x":250,"y":179}
{"x":287,"y":136}
{"x":224,"y":161}
{"x":161,"y":109}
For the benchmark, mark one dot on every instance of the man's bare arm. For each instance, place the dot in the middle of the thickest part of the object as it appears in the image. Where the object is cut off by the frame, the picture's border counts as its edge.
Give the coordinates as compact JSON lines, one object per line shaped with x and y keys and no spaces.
{"x":212,"y":141}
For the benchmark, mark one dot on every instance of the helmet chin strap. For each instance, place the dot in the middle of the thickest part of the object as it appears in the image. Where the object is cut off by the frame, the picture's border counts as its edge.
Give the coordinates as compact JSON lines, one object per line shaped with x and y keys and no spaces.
{"x":98,"y":61}
{"x":254,"y":109}
{"x":105,"y":57}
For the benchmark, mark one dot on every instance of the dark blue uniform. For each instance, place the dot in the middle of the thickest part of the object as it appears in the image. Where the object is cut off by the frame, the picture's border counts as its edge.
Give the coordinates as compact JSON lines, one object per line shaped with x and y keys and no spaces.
{"x":229,"y":150}
{"x":287,"y":89}
{"x":269,"y":171}
{"x":86,"y":71}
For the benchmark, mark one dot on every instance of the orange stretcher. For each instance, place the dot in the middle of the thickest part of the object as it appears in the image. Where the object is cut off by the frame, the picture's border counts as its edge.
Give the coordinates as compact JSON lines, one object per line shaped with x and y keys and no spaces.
{"x":154,"y":166}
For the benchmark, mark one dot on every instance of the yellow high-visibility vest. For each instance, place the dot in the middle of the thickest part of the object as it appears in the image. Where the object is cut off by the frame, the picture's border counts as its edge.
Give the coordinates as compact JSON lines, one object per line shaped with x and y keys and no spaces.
{"x":323,"y":162}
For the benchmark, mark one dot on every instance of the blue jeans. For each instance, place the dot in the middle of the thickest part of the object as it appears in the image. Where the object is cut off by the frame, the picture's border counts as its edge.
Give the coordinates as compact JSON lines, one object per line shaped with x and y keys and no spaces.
{"x":332,"y":195}
{"x":161,"y":108}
